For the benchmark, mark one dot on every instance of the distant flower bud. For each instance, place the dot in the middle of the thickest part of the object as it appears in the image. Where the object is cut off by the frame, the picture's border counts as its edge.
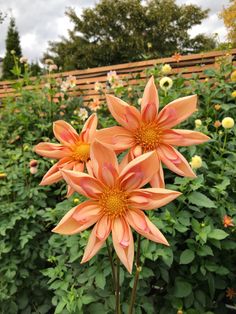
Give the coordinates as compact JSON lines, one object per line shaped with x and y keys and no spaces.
{"x":166,"y":69}
{"x":33,"y":163}
{"x":196,"y":162}
{"x":198,"y":123}
{"x":227,"y":123}
{"x":33,"y":170}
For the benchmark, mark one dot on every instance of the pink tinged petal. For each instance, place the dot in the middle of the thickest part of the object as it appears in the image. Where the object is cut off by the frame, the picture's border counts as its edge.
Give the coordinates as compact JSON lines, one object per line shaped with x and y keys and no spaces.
{"x":117,"y":137}
{"x":151,"y":198}
{"x":175,"y":161}
{"x":83,"y":183}
{"x":77,"y":167}
{"x":104,"y":163}
{"x":70,"y":191}
{"x":89,"y":130}
{"x":183,"y":137}
{"x":137,"y":151}
{"x":65,"y":133}
{"x":123,"y":242}
{"x":97,"y":238}
{"x":177,"y":111}
{"x":139,"y":222}
{"x":157,"y":181}
{"x":89,"y":168}
{"x":73,"y":222}
{"x":139,"y":171}
{"x":150,"y":102}
{"x":124,"y":162}
{"x":128,"y":116}
{"x":51,"y":150}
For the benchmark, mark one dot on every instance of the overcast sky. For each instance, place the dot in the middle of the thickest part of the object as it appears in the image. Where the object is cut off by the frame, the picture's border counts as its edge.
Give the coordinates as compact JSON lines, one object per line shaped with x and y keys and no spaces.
{"x":39,"y":21}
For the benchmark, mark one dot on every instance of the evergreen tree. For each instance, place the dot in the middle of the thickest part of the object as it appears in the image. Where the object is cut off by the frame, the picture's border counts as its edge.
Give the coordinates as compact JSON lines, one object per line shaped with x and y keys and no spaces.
{"x":12,"y":47}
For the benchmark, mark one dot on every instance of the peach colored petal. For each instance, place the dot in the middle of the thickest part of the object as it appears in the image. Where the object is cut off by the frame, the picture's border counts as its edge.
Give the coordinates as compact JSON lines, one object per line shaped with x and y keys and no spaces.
{"x":137,"y":219}
{"x":175,"y":161}
{"x":183,"y":137}
{"x":89,"y":130}
{"x":97,"y":238}
{"x":73,"y":223}
{"x":117,"y":137}
{"x":151,"y":198}
{"x":77,"y":167}
{"x":125,"y":160}
{"x":70,"y":191}
{"x":83,"y":183}
{"x":65,"y":133}
{"x":157,"y":181}
{"x":89,"y":168}
{"x":139,"y":171}
{"x":51,"y":150}
{"x":123,"y":242}
{"x":128,"y":116}
{"x":177,"y":111}
{"x":150,"y":102}
{"x":104,"y":163}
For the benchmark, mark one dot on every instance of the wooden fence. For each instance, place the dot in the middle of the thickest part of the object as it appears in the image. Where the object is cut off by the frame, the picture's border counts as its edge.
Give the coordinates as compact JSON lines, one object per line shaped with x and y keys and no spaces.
{"x":132,"y":73}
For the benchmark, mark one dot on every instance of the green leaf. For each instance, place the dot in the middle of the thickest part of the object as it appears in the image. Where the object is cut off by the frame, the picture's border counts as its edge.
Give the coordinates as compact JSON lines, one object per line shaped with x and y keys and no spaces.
{"x":187,"y":257}
{"x":201,"y":200}
{"x":182,"y":288}
{"x":100,"y":280}
{"x":218,"y":234}
{"x":205,"y":250}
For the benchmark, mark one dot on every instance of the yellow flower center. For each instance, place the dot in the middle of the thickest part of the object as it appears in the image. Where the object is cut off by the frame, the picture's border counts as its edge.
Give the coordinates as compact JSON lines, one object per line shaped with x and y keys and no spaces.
{"x":148,"y":136}
{"x":81,"y":152}
{"x":114,"y":202}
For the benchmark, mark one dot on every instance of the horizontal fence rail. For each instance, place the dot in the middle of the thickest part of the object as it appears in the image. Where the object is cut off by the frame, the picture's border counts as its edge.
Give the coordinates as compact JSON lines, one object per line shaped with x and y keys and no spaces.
{"x":131,"y":73}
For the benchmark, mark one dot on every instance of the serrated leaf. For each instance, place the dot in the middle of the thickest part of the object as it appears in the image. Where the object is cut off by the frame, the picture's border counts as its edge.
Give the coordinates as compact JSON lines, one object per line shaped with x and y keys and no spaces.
{"x":218,"y":234}
{"x":201,"y":200}
{"x":100,"y":280}
{"x":187,"y":257}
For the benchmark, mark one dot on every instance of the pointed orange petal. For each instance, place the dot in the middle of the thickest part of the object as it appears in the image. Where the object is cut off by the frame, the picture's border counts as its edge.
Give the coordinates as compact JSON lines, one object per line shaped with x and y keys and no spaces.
{"x":51,"y":150}
{"x":117,"y":137}
{"x":123,"y":242}
{"x":89,"y":130}
{"x":151,"y":198}
{"x":157,"y":181}
{"x":183,"y":137}
{"x":104,"y":163}
{"x":175,"y":161}
{"x":83,"y":183}
{"x":97,"y":238}
{"x":137,"y":219}
{"x":177,"y":111}
{"x":128,"y":116}
{"x":72,"y":223}
{"x":139,"y":171}
{"x":150,"y":102}
{"x":124,"y":162}
{"x":65,"y":133}
{"x":77,"y":167}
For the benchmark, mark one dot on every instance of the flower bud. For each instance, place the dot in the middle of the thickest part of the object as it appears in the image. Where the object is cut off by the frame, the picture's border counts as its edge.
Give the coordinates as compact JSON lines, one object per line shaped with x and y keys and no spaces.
{"x":227,"y":123}
{"x":196,"y":162}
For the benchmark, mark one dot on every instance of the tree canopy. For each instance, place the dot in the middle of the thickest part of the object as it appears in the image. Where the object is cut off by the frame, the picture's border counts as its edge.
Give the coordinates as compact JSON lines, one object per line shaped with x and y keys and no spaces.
{"x":127,"y":30}
{"x":12,"y":47}
{"x":229,"y":16}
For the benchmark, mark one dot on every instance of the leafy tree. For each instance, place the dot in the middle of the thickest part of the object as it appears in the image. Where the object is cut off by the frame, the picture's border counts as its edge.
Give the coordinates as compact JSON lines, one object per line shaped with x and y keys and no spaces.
{"x":12,"y":47}
{"x":229,"y":17}
{"x":2,"y":17}
{"x":128,"y":30}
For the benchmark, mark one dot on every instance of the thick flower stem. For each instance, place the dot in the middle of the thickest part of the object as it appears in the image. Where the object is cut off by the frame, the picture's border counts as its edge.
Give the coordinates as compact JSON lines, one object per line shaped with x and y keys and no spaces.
{"x":138,"y":270}
{"x":117,"y":285}
{"x":112,"y":265}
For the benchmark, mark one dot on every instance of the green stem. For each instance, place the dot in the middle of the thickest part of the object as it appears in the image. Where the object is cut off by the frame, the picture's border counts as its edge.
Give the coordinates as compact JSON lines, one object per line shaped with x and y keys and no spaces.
{"x":112,"y":264}
{"x":138,"y":270}
{"x":117,"y":285}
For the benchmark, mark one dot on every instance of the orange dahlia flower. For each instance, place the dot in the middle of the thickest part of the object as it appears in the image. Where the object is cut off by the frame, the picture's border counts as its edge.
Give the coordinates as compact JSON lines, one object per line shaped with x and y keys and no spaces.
{"x":149,"y":130}
{"x":116,"y":202}
{"x":73,"y":152}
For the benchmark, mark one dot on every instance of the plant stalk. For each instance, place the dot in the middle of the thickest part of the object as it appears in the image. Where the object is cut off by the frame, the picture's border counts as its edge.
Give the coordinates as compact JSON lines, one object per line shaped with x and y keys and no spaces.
{"x":112,"y":264}
{"x":117,"y":285}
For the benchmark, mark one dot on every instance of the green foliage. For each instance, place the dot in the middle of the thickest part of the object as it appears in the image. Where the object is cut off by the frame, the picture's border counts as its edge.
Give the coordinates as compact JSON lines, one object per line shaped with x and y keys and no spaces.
{"x":122,"y":31}
{"x":41,"y":272}
{"x":12,"y":48}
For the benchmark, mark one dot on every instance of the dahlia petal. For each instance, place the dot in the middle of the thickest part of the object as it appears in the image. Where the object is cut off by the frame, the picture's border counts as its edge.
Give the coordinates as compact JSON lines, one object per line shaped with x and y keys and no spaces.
{"x":104,"y":163}
{"x":177,"y":111}
{"x":77,"y":167}
{"x":83,"y":183}
{"x":117,"y":137}
{"x":123,"y":242}
{"x":139,"y":222}
{"x":157,"y":181}
{"x":128,"y":116}
{"x":139,"y":171}
{"x":65,"y":133}
{"x":150,"y":102}
{"x":103,"y":227}
{"x":95,"y":243}
{"x":151,"y":198}
{"x":70,"y":225}
{"x":183,"y":137}
{"x":124,"y":162}
{"x":51,"y":150}
{"x":175,"y":161}
{"x":89,"y":130}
